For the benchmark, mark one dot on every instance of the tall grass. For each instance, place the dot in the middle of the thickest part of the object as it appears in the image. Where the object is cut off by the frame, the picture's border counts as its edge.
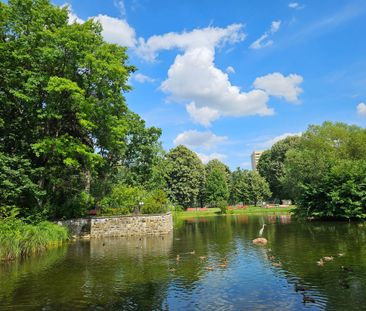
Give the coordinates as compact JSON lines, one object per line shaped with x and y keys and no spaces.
{"x":18,"y":238}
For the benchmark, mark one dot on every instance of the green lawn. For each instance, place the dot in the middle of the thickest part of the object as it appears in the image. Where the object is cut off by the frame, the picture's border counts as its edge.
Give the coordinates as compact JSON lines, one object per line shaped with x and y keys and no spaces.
{"x":246,"y":211}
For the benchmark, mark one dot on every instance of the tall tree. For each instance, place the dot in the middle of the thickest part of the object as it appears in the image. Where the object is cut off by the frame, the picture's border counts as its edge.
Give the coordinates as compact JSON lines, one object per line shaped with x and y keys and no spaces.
{"x":217,"y":182}
{"x":62,"y":105}
{"x":271,"y":166}
{"x":184,"y":176}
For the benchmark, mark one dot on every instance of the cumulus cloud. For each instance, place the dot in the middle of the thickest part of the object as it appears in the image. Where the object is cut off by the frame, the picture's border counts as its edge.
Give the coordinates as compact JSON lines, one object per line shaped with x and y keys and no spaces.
{"x":205,"y":158}
{"x":361,"y":109}
{"x":193,"y":138}
{"x":276,"y":84}
{"x":264,"y":41}
{"x":272,"y":141}
{"x":72,"y":17}
{"x":203,"y":116}
{"x":115,"y":30}
{"x":141,"y":78}
{"x":208,"y":37}
{"x":194,"y":77}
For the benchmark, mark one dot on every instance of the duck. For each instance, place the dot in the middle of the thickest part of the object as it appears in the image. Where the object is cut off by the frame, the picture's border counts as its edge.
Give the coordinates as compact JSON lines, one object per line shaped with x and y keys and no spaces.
{"x":320,"y":262}
{"x":328,"y":258}
{"x":177,"y":258}
{"x":276,"y":264}
{"x":202,"y":257}
{"x":192,"y":252}
{"x":209,"y":268}
{"x":340,"y":254}
{"x":306,"y":299}
{"x":172,"y":269}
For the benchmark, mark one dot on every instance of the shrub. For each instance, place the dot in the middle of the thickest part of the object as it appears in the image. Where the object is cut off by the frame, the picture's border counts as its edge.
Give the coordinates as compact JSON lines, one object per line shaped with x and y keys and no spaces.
{"x":222,"y":205}
{"x":122,"y":200}
{"x":155,"y":202}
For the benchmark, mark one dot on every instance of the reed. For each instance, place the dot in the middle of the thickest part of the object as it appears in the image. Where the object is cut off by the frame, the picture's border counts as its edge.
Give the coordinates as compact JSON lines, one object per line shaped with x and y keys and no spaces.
{"x":18,"y":238}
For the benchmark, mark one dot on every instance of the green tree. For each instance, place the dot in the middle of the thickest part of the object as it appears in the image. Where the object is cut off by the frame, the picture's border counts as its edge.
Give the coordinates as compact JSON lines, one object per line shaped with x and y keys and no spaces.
{"x":217,"y":182}
{"x":184,"y":176}
{"x":314,"y":167}
{"x":271,"y":166}
{"x":63,"y":109}
{"x":248,"y":187}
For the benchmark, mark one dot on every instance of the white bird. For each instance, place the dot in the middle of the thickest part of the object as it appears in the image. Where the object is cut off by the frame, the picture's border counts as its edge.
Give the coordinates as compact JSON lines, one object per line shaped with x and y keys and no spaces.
{"x":261,"y":231}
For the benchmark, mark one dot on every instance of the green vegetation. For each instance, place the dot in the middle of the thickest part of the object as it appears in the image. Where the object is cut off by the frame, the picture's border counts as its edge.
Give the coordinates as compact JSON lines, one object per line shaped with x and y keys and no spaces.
{"x":18,"y":238}
{"x":245,"y":211}
{"x":323,"y":171}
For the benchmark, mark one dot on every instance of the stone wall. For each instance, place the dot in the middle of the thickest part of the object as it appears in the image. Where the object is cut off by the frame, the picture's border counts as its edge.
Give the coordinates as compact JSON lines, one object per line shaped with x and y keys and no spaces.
{"x":118,"y":226}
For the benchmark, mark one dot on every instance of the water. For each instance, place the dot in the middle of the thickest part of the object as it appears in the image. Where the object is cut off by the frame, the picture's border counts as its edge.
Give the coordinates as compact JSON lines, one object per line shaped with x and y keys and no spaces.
{"x":232,"y":273}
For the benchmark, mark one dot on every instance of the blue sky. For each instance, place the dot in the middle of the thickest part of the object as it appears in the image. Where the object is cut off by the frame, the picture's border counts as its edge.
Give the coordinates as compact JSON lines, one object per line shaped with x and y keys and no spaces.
{"x":229,"y":77}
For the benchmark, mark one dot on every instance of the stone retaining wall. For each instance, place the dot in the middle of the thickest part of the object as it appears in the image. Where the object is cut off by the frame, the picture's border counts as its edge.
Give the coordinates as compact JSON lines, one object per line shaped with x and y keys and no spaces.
{"x":117,"y":226}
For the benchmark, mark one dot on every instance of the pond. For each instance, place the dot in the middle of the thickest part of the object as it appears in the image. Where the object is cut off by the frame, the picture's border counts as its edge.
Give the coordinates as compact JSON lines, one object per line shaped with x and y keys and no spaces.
{"x":205,"y":264}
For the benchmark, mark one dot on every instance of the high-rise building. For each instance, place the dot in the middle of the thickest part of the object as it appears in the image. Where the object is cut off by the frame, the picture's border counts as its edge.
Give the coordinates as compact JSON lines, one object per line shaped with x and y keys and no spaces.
{"x":255,"y":158}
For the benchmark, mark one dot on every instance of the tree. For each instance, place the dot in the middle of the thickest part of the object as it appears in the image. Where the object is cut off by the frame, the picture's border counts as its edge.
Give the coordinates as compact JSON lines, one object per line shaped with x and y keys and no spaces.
{"x":317,"y":169}
{"x":63,"y":109}
{"x":248,"y":187}
{"x":271,"y":166}
{"x":185,"y":175}
{"x":217,"y":182}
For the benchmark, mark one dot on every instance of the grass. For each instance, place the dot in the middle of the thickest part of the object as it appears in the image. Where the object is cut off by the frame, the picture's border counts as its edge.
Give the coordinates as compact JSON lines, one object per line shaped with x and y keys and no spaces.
{"x":18,"y":238}
{"x":246,"y":211}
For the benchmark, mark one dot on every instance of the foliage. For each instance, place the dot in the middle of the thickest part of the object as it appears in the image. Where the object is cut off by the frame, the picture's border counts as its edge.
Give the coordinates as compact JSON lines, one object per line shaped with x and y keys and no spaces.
{"x":18,"y":238}
{"x":248,"y":187}
{"x":122,"y":200}
{"x":325,"y":171}
{"x":185,"y":176}
{"x":222,"y":205}
{"x":216,"y":186}
{"x":17,"y":187}
{"x":155,"y":202}
{"x":63,"y":114}
{"x":271,"y":165}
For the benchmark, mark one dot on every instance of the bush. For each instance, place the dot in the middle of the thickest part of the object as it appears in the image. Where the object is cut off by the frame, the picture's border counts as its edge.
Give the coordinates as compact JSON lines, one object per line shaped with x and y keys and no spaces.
{"x":222,"y":205}
{"x":18,"y":238}
{"x":155,"y":202}
{"x":122,"y":200}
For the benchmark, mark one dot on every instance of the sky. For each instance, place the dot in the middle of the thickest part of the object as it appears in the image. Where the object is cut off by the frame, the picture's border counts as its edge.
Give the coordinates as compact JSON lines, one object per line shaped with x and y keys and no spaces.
{"x":226,"y":78}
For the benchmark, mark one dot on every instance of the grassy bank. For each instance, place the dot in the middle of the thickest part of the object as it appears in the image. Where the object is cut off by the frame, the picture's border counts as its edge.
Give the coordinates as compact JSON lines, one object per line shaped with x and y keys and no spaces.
{"x":246,"y":211}
{"x":18,"y":238}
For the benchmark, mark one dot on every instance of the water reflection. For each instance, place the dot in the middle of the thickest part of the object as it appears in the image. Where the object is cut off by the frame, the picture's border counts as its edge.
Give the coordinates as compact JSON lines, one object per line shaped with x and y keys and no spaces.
{"x":207,"y":264}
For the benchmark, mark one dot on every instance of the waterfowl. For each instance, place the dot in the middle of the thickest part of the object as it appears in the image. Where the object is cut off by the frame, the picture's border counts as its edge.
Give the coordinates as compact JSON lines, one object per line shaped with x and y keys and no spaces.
{"x":328,"y":258}
{"x":320,"y":262}
{"x":340,"y":254}
{"x":209,"y":268}
{"x":177,"y":258}
{"x":306,"y":299}
{"x":276,"y":264}
{"x":172,"y":270}
{"x":192,"y":252}
{"x":202,"y":257}
{"x":260,"y":241}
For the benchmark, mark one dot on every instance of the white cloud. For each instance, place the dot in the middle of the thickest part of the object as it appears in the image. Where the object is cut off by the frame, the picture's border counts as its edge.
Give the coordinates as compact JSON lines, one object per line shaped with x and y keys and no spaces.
{"x":295,"y":5}
{"x":141,"y":78}
{"x":72,"y":17}
{"x":272,"y":141}
{"x":203,"y":116}
{"x":276,"y":84}
{"x":117,"y":31}
{"x":193,"y":138}
{"x":205,"y":158}
{"x":361,"y":109}
{"x":120,"y":5}
{"x":264,"y":41}
{"x":194,"y":77}
{"x":230,"y":69}
{"x":208,"y":37}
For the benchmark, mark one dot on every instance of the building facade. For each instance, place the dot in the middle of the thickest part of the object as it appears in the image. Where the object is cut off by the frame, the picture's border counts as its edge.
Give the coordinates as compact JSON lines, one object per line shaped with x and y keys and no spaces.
{"x":255,"y":158}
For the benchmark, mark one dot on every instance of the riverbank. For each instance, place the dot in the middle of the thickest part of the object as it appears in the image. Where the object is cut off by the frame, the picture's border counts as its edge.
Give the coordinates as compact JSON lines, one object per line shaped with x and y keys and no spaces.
{"x":18,"y":239}
{"x":244,"y":211}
